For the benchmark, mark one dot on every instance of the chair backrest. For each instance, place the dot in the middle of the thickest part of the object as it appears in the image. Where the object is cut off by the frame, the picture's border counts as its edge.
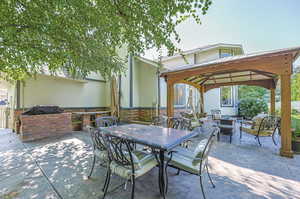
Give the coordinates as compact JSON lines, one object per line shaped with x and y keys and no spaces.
{"x":204,"y":154}
{"x":174,"y":122}
{"x":226,"y":122}
{"x":216,"y":114}
{"x":120,"y":151}
{"x":269,"y":123}
{"x":97,"y":139}
{"x":160,"y":121}
{"x":186,"y":124}
{"x":112,"y":120}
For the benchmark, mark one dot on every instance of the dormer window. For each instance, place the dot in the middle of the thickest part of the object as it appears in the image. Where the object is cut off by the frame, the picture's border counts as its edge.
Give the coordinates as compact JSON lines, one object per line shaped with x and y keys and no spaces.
{"x":225,"y":53}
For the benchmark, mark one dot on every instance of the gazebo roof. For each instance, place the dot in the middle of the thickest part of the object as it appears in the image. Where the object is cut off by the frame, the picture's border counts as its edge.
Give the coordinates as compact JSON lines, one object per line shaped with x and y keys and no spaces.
{"x":231,"y":70}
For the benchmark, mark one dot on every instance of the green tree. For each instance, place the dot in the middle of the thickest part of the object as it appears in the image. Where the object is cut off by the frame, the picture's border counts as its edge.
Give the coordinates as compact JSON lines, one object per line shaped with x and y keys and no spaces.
{"x":252,"y":92}
{"x":296,"y":87}
{"x":83,"y":36}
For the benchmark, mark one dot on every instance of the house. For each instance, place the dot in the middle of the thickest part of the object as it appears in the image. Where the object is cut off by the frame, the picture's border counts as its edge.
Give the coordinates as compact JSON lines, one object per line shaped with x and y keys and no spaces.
{"x":141,"y":90}
{"x":224,"y":98}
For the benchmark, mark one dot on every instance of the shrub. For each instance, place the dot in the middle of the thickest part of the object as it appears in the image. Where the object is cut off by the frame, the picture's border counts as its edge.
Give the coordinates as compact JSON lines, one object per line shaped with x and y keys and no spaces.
{"x":250,"y":107}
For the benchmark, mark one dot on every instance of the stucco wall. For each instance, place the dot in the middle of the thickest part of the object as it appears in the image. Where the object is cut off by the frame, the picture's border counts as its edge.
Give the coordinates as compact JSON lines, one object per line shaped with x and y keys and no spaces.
{"x":146,"y":81}
{"x":49,"y":90}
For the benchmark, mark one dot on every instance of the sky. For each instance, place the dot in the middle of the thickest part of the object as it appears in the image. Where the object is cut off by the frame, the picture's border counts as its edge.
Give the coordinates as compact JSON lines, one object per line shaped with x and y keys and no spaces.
{"x":258,"y":25}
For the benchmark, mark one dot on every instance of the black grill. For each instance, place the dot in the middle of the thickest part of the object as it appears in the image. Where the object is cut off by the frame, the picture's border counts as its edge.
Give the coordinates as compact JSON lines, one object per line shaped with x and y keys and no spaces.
{"x":40,"y":110}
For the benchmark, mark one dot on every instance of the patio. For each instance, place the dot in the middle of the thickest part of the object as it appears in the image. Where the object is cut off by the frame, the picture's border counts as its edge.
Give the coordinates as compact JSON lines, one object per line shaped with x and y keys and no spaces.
{"x":239,"y":170}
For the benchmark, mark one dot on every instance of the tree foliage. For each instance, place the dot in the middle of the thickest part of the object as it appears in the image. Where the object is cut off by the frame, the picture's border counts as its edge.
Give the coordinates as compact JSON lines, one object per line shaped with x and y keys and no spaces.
{"x":250,"y":107}
{"x":296,"y":87}
{"x":252,"y":92}
{"x":83,"y":36}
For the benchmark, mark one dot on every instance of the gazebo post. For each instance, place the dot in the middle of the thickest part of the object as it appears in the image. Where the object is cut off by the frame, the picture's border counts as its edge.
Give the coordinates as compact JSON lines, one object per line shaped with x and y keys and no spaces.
{"x":170,"y":99}
{"x":202,"y":98}
{"x":272,"y":101}
{"x":286,"y":134}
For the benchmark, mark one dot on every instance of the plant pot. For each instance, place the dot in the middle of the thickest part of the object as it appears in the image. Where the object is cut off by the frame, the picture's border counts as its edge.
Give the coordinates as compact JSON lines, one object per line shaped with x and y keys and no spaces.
{"x":296,"y":145}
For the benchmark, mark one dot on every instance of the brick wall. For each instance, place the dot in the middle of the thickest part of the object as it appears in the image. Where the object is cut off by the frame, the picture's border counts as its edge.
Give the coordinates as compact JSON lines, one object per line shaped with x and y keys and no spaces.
{"x":18,"y":112}
{"x":143,"y":114}
{"x":35,"y":127}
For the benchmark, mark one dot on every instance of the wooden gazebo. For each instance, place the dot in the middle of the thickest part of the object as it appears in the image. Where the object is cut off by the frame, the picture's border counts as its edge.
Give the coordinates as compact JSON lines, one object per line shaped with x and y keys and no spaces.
{"x":258,"y":69}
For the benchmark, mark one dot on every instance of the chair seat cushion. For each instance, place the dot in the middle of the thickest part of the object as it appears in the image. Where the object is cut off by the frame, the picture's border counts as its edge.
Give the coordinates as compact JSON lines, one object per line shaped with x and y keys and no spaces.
{"x":145,"y":161}
{"x":102,"y":155}
{"x":195,"y":155}
{"x":185,"y":152}
{"x":185,"y":163}
{"x":251,"y":131}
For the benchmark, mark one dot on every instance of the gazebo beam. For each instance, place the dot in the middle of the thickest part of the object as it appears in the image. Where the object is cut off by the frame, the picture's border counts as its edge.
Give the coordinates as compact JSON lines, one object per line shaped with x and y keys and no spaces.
{"x":286,"y":134}
{"x":266,"y":83}
{"x":271,"y":64}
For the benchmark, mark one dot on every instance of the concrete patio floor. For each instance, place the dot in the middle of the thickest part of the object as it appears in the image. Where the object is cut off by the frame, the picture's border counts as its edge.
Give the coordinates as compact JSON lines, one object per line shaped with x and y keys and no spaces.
{"x":240,"y":170}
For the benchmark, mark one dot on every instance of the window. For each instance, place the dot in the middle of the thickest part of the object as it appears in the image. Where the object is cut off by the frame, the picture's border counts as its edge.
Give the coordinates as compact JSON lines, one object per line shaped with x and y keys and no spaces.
{"x":226,"y":96}
{"x":179,"y":95}
{"x":225,"y":53}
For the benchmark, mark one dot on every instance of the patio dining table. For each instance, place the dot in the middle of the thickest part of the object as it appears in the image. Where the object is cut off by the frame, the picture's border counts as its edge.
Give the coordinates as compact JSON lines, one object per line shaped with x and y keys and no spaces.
{"x":158,"y":138}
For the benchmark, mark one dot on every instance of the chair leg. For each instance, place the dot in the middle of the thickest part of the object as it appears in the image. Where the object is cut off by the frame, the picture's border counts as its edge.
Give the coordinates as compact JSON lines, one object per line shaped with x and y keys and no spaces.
{"x":107,"y":183}
{"x":240,"y":133}
{"x":230,"y":139}
{"x":132,"y":188}
{"x":210,"y":179}
{"x":258,"y":140}
{"x":93,"y":165}
{"x":201,"y":186}
{"x":167,"y":178}
{"x":106,"y":178}
{"x":178,"y":172}
{"x":274,"y":139}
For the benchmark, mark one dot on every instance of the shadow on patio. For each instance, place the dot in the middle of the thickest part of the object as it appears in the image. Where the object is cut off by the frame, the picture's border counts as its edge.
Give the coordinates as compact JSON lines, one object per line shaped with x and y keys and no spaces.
{"x":238,"y":172}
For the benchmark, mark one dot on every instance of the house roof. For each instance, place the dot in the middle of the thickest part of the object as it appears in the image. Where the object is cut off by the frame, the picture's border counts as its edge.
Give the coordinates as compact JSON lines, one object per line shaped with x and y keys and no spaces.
{"x":203,"y":48}
{"x":148,"y":61}
{"x":249,"y":69}
{"x":236,"y":58}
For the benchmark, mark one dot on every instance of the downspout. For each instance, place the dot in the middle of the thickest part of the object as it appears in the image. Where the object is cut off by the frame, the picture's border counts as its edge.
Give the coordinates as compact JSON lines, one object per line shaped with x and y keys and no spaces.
{"x":158,"y":91}
{"x":18,"y":93}
{"x":130,"y":81}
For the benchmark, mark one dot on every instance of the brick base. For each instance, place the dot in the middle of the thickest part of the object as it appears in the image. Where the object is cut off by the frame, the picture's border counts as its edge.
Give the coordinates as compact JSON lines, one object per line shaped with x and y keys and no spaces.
{"x":35,"y":127}
{"x":143,"y":114}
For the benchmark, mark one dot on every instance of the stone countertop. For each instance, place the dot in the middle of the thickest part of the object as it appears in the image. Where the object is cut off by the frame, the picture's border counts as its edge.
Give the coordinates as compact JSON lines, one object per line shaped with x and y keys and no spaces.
{"x":91,"y":113}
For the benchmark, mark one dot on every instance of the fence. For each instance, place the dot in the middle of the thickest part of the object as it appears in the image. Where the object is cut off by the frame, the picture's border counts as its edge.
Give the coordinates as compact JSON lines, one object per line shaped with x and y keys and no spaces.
{"x":294,"y":104}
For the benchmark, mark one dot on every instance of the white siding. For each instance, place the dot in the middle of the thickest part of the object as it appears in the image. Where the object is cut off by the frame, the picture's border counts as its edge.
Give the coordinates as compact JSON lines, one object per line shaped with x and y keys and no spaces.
{"x":49,"y":90}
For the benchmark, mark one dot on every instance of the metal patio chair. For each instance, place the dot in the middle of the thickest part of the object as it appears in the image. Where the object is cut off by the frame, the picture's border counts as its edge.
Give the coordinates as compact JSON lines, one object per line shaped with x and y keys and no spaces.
{"x":99,"y":147}
{"x":160,"y":121}
{"x":226,"y":128}
{"x":194,"y":162}
{"x":126,"y":162}
{"x":261,"y":127}
{"x":216,"y":114}
{"x":106,"y":121}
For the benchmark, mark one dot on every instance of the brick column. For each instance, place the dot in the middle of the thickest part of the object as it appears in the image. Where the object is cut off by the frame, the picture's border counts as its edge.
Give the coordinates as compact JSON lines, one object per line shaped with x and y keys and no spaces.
{"x":86,"y":120}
